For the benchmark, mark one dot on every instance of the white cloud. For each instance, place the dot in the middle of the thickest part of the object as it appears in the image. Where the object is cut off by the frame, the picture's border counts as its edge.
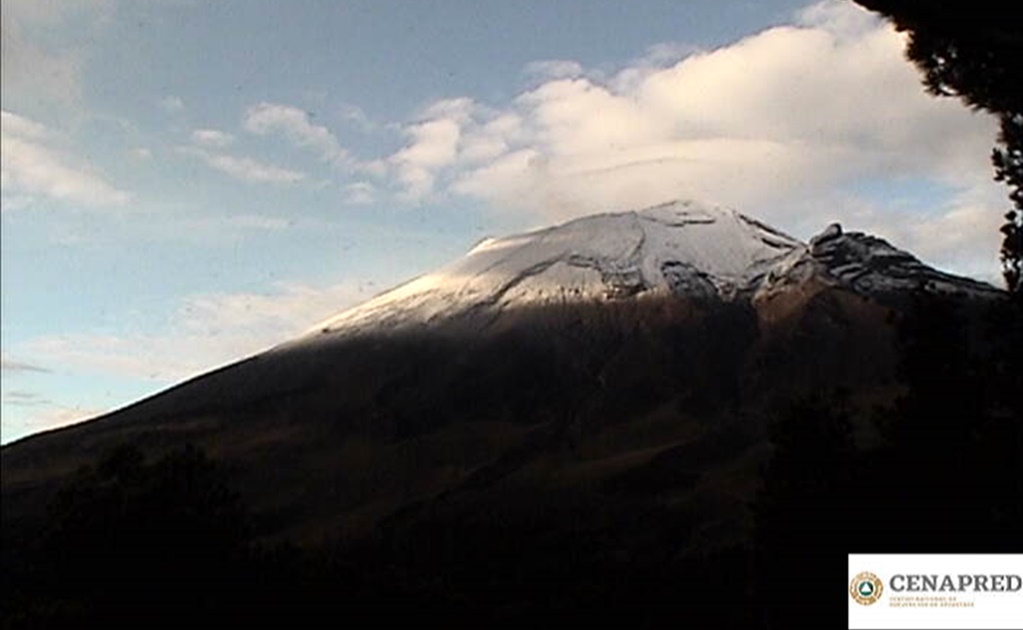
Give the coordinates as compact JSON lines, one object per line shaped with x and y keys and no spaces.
{"x":212,"y":138}
{"x":433,"y":146}
{"x":16,"y":126}
{"x":207,"y":331}
{"x":771,"y":124}
{"x":296,"y":126}
{"x":837,"y":18}
{"x":244,"y":168}
{"x":460,"y":109}
{"x":961,"y":235}
{"x":450,"y":132}
{"x":789,"y":110}
{"x":34,"y":165}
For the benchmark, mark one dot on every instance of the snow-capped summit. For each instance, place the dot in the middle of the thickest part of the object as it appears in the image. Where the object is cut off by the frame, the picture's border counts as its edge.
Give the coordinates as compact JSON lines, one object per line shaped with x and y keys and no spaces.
{"x":682,"y":248}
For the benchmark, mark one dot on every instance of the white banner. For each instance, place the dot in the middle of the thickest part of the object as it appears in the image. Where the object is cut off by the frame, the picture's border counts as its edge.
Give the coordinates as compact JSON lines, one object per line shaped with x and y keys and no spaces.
{"x":935,"y":591}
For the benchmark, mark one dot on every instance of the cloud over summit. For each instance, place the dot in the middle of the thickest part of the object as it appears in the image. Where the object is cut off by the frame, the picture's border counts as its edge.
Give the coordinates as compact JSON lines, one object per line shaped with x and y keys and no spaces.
{"x":774,"y":123}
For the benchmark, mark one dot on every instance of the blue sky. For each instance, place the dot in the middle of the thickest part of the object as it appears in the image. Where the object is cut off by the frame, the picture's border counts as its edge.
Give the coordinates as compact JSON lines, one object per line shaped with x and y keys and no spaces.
{"x":188,"y":182}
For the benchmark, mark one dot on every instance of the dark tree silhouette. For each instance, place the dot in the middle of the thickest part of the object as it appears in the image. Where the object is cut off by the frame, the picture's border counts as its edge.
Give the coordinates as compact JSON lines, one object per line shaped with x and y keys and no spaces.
{"x":131,"y":541}
{"x":803,"y":520}
{"x":946,"y":473}
{"x":973,"y":50}
{"x":955,"y":438}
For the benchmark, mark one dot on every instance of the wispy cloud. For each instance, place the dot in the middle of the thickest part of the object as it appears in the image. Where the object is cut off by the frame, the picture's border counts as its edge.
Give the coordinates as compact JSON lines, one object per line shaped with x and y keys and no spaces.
{"x":20,"y":398}
{"x":37,"y":67}
{"x":10,"y":365}
{"x":245,"y":168}
{"x":666,"y":53}
{"x":554,"y":69}
{"x":34,"y":164}
{"x":212,"y":138}
{"x":295,"y":125}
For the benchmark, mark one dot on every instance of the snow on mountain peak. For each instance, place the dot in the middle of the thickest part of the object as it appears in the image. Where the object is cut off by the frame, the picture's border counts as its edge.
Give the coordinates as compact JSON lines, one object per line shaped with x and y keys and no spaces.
{"x":682,"y":248}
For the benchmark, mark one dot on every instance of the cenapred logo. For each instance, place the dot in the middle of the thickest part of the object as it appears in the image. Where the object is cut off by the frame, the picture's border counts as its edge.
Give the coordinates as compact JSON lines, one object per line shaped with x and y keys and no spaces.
{"x":866,"y":588}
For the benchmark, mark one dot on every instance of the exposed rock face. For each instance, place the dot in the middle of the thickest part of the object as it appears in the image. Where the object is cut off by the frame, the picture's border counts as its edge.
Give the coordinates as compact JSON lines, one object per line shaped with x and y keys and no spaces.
{"x":869,"y":266}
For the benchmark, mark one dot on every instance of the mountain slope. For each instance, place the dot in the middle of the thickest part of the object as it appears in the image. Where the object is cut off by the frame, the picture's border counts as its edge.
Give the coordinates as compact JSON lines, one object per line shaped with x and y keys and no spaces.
{"x":628,"y":361}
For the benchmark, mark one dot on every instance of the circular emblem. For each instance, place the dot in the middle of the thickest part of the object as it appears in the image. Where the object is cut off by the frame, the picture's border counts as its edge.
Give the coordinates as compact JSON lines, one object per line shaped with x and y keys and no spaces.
{"x":866,"y":588}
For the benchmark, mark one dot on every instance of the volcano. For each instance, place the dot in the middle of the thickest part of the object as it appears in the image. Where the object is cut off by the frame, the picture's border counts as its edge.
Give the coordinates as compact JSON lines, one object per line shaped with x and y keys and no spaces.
{"x":599,"y":389}
{"x":674,"y":317}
